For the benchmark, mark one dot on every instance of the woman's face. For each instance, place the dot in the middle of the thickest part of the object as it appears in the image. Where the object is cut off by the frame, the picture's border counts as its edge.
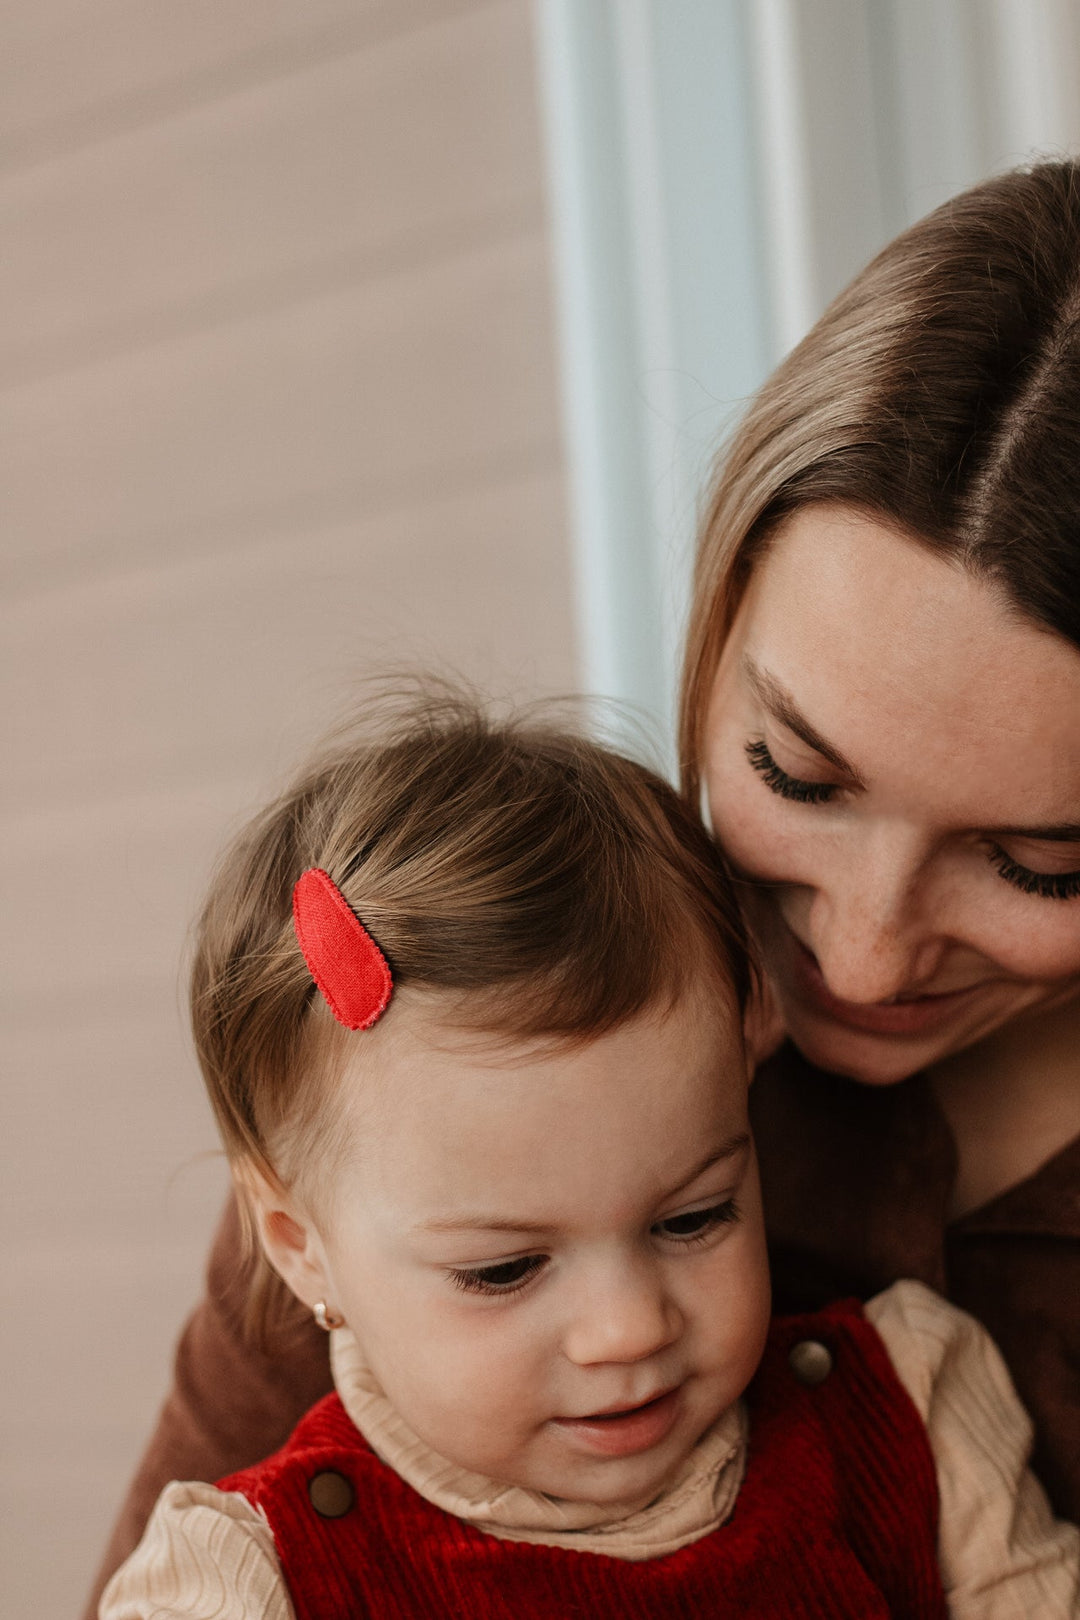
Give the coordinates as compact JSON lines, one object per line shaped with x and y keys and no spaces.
{"x":893,"y":759}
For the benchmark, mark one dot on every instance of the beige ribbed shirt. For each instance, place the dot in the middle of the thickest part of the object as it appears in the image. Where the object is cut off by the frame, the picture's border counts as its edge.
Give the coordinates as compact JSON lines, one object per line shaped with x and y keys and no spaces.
{"x":209,"y":1555}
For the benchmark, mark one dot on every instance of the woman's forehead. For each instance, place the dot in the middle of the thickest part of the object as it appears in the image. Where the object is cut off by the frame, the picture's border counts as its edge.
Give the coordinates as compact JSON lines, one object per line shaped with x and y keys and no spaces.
{"x":892,"y":652}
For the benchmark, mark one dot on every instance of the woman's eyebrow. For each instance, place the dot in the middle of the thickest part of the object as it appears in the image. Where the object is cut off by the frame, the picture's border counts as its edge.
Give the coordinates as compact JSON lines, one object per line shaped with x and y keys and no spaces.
{"x":1065,"y":832}
{"x":782,"y":706}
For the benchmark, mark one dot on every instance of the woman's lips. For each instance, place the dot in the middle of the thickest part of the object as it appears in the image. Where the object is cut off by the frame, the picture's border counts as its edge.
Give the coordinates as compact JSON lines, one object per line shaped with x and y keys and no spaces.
{"x":915,"y":1015}
{"x":621,"y":1434}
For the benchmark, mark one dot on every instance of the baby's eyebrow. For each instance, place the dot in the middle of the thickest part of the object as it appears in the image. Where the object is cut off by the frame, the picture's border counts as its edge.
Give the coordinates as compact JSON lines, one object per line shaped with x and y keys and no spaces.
{"x":727,"y":1150}
{"x":480,"y":1223}
{"x":468,"y":1221}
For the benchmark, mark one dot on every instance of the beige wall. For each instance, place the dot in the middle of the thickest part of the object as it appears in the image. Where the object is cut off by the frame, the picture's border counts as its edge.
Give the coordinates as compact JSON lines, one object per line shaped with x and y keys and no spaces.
{"x":278,"y":407}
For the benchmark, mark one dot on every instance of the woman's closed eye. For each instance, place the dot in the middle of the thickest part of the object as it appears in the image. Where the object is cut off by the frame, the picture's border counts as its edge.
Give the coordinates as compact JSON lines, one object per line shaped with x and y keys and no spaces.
{"x":503,"y":1277}
{"x":696,"y":1225}
{"x":781,"y":783}
{"x":1044,"y":885}
{"x":1047,"y":885}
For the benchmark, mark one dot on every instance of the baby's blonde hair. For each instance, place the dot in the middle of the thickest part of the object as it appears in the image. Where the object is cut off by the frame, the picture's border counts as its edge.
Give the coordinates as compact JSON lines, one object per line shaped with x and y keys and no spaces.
{"x":552,"y":887}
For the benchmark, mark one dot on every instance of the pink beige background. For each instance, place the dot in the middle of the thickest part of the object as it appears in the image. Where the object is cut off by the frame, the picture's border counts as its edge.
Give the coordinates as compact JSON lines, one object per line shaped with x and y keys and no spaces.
{"x":278,"y":407}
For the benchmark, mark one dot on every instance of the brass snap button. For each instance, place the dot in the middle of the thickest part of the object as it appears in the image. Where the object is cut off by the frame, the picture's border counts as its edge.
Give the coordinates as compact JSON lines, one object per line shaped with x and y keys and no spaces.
{"x":810,"y":1361}
{"x":331,"y":1494}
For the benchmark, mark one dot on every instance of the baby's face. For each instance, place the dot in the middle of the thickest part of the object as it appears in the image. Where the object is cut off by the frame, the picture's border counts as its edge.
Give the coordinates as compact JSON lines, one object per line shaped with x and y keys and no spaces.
{"x":553,"y":1259}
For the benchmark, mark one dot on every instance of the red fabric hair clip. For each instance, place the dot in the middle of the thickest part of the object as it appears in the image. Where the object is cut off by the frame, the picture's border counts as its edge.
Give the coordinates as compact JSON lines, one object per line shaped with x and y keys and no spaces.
{"x":342,"y":958}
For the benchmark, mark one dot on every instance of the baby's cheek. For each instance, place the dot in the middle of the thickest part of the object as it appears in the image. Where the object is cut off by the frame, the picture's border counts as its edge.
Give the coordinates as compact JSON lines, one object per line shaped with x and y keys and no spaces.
{"x":485,"y":1376}
{"x":739,"y":1295}
{"x":458,"y":1410}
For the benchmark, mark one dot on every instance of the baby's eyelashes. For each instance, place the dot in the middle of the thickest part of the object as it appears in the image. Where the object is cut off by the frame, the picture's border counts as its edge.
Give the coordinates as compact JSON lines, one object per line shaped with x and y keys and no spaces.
{"x":508,"y":1276}
{"x":504,"y":1277}
{"x":694,"y":1225}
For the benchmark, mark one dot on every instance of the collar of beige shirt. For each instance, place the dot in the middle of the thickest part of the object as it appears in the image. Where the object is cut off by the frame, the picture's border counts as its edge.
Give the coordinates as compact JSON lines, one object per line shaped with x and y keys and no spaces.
{"x":698,"y":1497}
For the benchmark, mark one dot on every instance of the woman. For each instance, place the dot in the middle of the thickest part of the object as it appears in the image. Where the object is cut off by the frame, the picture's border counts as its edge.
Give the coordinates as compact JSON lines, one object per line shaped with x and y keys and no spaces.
{"x":882,"y":707}
{"x":882,"y":701}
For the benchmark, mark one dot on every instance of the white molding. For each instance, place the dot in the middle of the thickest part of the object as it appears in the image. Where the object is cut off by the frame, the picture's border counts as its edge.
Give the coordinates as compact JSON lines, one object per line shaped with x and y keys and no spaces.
{"x":784,"y":170}
{"x":618,"y":650}
{"x":1036,"y":94}
{"x":664,"y":317}
{"x":718,"y":170}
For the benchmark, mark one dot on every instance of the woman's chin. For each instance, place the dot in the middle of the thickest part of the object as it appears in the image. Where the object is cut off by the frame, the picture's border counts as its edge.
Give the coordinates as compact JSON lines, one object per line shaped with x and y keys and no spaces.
{"x":874,"y":1060}
{"x":883,"y":1042}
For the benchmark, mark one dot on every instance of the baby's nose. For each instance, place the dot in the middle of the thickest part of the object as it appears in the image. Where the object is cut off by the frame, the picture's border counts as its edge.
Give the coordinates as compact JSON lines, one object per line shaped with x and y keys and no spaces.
{"x":623,"y":1317}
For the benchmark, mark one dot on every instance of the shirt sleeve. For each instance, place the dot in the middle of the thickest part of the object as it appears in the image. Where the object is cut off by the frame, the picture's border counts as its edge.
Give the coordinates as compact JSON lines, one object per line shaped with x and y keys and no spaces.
{"x":1003,"y":1555}
{"x":231,"y":1403}
{"x":206,"y":1555}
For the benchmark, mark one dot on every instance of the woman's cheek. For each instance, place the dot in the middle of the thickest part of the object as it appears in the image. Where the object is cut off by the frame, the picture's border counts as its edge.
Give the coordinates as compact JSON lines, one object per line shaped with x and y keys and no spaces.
{"x":1030,"y":938}
{"x":756,"y":828}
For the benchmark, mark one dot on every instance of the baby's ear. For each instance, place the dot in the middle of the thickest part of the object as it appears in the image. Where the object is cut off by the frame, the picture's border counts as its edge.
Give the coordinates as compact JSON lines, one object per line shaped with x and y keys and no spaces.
{"x":284,"y":1231}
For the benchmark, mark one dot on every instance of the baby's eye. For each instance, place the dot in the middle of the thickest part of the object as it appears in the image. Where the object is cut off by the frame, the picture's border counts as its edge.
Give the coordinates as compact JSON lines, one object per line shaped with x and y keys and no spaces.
{"x":696,"y":1224}
{"x":503,"y":1278}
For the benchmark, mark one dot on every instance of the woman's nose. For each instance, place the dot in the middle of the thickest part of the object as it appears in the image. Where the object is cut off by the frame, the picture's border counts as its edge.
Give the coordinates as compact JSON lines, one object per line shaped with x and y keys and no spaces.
{"x":624,"y":1315}
{"x":875,"y":927}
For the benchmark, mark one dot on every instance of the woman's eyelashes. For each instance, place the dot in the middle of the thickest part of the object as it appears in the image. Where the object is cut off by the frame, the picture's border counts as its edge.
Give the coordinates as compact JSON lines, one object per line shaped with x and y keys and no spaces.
{"x":508,"y":1276}
{"x":787,"y":787}
{"x":1047,"y":885}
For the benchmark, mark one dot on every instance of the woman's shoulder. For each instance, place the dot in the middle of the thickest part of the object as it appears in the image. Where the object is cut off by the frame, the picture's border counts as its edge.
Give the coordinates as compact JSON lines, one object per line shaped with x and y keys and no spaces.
{"x":205,"y":1553}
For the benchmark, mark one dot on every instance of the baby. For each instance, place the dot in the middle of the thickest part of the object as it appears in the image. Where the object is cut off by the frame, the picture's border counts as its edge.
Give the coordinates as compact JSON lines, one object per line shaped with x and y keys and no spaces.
{"x":468,"y":1001}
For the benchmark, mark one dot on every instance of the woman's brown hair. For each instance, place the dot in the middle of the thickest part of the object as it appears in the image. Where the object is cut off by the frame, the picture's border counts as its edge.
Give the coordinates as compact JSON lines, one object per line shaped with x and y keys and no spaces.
{"x":549,"y":887}
{"x":940,"y":392}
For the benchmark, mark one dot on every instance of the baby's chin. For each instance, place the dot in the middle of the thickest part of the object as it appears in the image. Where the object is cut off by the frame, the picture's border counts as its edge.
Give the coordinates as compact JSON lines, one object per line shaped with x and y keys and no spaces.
{"x":613,"y":1489}
{"x":619,"y":1499}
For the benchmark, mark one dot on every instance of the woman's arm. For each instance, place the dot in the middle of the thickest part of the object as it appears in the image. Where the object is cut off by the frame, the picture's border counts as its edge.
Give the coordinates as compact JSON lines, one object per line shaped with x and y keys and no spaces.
{"x":230,"y":1405}
{"x":1002,"y":1552}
